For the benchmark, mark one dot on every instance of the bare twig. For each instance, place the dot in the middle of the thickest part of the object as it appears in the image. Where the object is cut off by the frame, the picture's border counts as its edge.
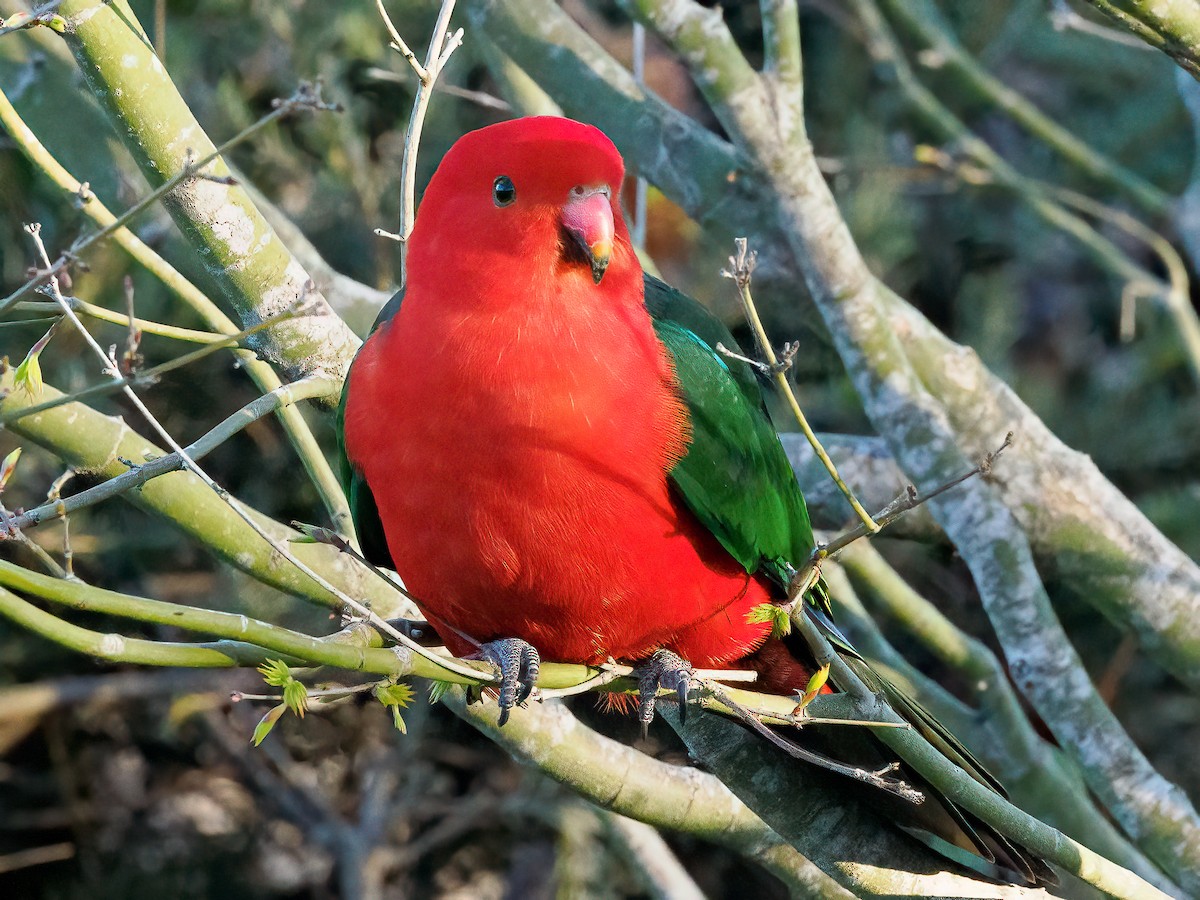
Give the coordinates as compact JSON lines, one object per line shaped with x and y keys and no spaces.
{"x":261,"y":372}
{"x":910,"y":499}
{"x":441,"y":45}
{"x":140,"y":473}
{"x":121,"y":379}
{"x":876,"y":779}
{"x":402,"y":640}
{"x":306,"y":97}
{"x":741,"y":269}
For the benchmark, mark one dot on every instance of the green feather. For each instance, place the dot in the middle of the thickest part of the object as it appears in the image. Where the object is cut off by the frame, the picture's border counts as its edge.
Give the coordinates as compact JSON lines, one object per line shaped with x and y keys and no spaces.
{"x":735,"y":477}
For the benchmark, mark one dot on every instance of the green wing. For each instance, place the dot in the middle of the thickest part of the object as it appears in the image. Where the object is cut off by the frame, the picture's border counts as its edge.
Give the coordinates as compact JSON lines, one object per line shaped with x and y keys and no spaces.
{"x":735,"y":477}
{"x":364,"y":512}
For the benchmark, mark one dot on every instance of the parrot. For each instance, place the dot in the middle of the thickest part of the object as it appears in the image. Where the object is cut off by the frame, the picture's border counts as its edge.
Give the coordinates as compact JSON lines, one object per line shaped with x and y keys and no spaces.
{"x":548,"y":447}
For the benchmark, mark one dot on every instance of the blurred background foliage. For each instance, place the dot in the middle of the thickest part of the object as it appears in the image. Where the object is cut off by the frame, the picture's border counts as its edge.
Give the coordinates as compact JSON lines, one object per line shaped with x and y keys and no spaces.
{"x":144,"y":795}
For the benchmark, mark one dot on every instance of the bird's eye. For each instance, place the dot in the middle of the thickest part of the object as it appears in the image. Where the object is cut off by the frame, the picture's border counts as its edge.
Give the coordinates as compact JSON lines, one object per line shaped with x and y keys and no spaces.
{"x":503,"y":191}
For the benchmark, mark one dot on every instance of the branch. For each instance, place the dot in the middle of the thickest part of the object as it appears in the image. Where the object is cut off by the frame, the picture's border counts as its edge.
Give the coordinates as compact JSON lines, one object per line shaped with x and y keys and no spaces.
{"x":118,"y":648}
{"x":741,"y":268}
{"x":886,"y":51}
{"x":260,"y":372}
{"x":1173,"y":28}
{"x":1086,"y":533}
{"x":1159,"y":816}
{"x":632,"y":784}
{"x":781,"y":44}
{"x":312,"y":386}
{"x":255,"y":271}
{"x":95,"y":443}
{"x":441,"y":45}
{"x":258,"y":637}
{"x":839,"y":830}
{"x":1039,"y":776}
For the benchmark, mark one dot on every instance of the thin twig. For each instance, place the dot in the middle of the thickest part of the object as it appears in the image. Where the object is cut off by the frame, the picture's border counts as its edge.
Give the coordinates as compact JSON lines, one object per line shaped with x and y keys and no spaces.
{"x":146,"y":326}
{"x":263,"y":375}
{"x":148,"y":376}
{"x":398,"y":43}
{"x":876,"y":779}
{"x":441,"y":45}
{"x":306,"y":97}
{"x":741,"y":269}
{"x":241,"y":511}
{"x":910,"y":499}
{"x":54,"y":495}
{"x":139,"y":474}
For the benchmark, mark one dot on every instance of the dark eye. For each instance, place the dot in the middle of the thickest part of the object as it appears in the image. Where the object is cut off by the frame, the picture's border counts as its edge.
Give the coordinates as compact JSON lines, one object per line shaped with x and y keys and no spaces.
{"x":503,"y":191}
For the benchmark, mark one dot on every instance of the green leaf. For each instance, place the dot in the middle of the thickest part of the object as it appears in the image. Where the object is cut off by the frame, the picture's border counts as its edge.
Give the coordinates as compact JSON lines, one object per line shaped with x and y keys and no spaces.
{"x":818,"y":680}
{"x":28,"y":376}
{"x":437,"y":690}
{"x":266,"y":723}
{"x":779,"y":617}
{"x":394,"y":693}
{"x":815,"y":683}
{"x":275,"y":672}
{"x":295,"y":697}
{"x":7,"y":467}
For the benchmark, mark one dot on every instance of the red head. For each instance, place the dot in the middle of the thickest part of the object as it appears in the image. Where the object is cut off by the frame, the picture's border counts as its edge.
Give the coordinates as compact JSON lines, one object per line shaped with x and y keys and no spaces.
{"x":525,"y":203}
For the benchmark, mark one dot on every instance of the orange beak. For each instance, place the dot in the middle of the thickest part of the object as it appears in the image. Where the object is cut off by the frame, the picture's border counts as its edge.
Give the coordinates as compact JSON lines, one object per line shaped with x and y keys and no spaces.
{"x":588,"y":218}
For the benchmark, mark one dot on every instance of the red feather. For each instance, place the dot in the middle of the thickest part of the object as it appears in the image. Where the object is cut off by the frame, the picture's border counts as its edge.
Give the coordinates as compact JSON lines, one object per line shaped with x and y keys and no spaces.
{"x":516,"y":423}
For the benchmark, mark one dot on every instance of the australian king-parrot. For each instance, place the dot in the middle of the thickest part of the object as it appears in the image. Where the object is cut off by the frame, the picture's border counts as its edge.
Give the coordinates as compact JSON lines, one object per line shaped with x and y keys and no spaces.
{"x":546,"y":445}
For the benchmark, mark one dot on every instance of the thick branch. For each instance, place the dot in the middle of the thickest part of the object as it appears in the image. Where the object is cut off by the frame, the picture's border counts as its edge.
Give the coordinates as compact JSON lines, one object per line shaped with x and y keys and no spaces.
{"x":261,"y":373}
{"x":1047,"y":669}
{"x":96,"y":444}
{"x":257,"y":274}
{"x":619,"y":778}
{"x":1173,"y":26}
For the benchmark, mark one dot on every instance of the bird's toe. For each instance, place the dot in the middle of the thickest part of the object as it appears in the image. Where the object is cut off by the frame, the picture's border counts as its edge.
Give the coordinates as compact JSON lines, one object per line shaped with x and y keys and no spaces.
{"x":518,"y":663}
{"x":663,"y":669}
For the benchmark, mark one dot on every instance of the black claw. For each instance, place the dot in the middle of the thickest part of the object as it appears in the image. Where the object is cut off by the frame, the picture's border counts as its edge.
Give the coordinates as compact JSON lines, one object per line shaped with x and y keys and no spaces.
{"x":663,"y":670}
{"x":518,"y":663}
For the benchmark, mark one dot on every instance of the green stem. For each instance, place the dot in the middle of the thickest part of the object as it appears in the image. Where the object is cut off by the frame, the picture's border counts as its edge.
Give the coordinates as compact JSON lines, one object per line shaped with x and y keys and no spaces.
{"x":190,"y":335}
{"x":90,"y":441}
{"x":149,"y":376}
{"x":357,"y":649}
{"x":117,"y":648}
{"x":306,"y":388}
{"x":970,"y":794}
{"x":886,"y":51}
{"x":1040,"y":777}
{"x":781,"y":43}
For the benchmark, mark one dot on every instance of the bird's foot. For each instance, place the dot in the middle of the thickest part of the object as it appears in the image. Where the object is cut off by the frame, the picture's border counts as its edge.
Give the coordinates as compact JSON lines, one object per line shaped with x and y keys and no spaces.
{"x":663,"y":669}
{"x":518,"y":664}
